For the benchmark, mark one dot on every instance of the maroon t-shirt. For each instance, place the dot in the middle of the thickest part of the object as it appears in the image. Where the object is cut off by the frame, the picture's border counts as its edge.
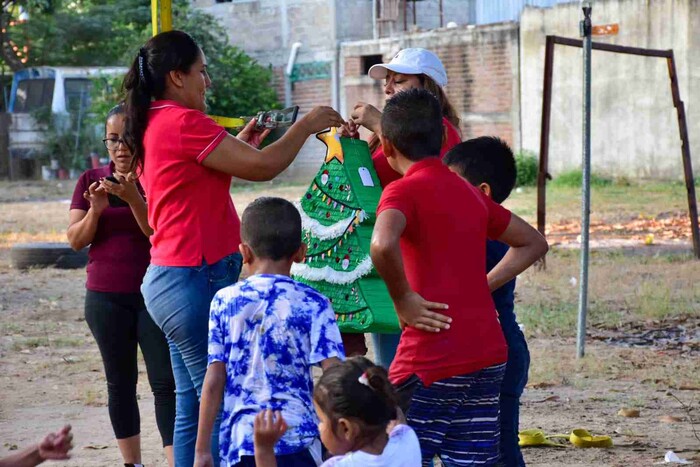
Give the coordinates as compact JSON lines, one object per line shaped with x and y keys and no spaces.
{"x":119,"y":253}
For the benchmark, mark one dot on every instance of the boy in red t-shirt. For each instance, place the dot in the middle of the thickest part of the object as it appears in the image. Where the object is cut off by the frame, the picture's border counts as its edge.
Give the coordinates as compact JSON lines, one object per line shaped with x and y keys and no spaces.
{"x":429,"y":245}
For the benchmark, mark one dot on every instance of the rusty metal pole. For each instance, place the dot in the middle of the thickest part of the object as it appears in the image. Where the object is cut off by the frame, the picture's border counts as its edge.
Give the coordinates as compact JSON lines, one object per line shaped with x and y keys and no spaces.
{"x":542,"y":175}
{"x":442,"y":17}
{"x":685,"y":150}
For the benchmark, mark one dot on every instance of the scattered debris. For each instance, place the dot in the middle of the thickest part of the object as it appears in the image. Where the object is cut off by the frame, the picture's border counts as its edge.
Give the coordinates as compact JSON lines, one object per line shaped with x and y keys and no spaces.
{"x":681,"y":334}
{"x":543,"y":385}
{"x":630,"y":413}
{"x":548,"y":399}
{"x":96,"y":446}
{"x":670,"y":226}
{"x":672,"y":458}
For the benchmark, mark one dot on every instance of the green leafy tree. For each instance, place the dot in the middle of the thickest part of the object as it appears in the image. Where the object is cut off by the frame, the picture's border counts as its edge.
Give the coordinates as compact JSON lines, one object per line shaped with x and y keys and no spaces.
{"x":109,"y":33}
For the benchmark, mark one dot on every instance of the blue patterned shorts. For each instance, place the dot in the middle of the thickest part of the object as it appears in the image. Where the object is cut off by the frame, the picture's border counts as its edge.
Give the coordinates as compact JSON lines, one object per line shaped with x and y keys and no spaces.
{"x":457,"y":418}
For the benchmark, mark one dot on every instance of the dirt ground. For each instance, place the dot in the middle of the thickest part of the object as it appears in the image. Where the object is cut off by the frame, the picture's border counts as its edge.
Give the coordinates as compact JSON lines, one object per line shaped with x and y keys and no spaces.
{"x":51,"y":372}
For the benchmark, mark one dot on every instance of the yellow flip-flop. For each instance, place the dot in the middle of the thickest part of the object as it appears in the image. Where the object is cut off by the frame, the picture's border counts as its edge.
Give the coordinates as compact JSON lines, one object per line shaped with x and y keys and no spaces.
{"x":583,"y":439}
{"x":579,"y":437}
{"x":536,"y":437}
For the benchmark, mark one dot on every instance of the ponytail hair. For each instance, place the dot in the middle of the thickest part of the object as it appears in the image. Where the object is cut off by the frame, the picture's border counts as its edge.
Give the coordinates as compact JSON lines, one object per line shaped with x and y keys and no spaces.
{"x":448,"y":111}
{"x":357,"y":389}
{"x":146,"y":80}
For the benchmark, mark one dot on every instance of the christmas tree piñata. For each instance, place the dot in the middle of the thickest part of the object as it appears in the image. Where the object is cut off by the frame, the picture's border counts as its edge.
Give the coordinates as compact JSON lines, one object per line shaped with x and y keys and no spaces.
{"x":338,"y":213}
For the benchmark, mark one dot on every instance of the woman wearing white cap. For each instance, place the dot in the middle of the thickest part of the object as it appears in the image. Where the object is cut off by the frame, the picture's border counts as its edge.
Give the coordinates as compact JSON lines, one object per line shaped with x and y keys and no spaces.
{"x":410,"y":68}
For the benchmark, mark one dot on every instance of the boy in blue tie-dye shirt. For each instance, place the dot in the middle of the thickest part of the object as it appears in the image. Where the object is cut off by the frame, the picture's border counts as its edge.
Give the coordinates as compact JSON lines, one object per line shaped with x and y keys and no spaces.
{"x":265,"y":333}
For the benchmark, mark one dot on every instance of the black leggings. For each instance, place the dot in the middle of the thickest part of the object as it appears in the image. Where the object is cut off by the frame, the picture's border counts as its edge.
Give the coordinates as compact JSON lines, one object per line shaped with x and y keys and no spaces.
{"x":119,"y":322}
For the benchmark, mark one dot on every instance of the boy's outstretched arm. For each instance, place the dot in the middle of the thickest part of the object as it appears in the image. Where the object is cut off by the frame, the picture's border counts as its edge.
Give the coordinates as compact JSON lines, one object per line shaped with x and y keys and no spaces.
{"x":527,"y":245}
{"x":212,"y":393}
{"x":413,"y":310}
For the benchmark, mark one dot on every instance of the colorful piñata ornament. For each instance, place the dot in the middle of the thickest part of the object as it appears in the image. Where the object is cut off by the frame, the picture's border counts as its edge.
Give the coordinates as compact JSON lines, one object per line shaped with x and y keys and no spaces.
{"x":338,"y":213}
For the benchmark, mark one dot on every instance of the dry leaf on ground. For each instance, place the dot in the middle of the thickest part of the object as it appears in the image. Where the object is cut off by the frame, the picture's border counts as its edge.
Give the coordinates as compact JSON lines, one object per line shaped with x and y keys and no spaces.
{"x":670,"y":419}
{"x":631,"y":413}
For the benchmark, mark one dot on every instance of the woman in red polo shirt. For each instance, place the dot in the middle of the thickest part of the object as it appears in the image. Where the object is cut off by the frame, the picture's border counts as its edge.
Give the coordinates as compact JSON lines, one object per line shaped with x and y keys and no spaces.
{"x":186,"y":162}
{"x":409,"y":69}
{"x":117,"y":231}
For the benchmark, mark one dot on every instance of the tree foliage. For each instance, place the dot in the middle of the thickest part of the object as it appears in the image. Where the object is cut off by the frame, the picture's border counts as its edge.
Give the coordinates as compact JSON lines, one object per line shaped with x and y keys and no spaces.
{"x":110,"y":32}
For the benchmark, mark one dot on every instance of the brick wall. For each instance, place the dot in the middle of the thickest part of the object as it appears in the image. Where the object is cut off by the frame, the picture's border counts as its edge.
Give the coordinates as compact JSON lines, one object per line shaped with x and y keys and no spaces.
{"x":308,"y":94}
{"x":481,"y":62}
{"x":482,"y":69}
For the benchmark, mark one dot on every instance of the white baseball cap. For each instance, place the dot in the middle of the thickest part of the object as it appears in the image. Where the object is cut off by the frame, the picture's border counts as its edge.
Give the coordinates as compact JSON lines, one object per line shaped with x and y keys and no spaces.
{"x":413,"y":61}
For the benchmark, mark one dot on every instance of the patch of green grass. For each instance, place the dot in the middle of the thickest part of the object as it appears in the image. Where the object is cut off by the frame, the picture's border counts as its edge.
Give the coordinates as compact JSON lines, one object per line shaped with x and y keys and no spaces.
{"x":62,"y":342}
{"x":45,"y":341}
{"x":527,"y":165}
{"x":548,"y":317}
{"x":622,"y":289}
{"x":609,"y":203}
{"x":573,"y":178}
{"x":30,"y":343}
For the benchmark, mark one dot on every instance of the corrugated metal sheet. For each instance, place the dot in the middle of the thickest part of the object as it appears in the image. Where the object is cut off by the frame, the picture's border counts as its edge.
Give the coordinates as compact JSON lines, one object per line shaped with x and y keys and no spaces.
{"x":497,"y":11}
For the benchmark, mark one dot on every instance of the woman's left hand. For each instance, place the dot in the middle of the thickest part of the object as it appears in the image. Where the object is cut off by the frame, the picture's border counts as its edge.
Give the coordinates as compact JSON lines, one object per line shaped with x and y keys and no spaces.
{"x":368,"y":116}
{"x":252,"y":136}
{"x":126,"y":189}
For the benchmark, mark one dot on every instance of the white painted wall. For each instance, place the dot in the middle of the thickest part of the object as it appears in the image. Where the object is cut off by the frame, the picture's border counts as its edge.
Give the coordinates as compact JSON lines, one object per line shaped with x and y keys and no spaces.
{"x":634,"y":124}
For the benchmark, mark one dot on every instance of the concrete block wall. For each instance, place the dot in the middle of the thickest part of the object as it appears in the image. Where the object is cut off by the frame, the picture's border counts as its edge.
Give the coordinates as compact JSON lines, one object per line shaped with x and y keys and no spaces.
{"x":634,"y":130}
{"x":266,"y":29}
{"x":482,"y":69}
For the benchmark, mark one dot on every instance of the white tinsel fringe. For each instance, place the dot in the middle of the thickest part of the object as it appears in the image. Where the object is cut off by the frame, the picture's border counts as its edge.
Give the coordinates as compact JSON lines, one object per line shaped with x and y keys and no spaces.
{"x":328,"y":274}
{"x":324,"y":232}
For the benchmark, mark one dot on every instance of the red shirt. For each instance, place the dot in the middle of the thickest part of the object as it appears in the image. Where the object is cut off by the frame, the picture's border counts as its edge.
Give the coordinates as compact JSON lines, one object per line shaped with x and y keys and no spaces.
{"x":118,"y":255}
{"x":444,"y":253}
{"x":189,"y":205}
{"x":387,"y":175}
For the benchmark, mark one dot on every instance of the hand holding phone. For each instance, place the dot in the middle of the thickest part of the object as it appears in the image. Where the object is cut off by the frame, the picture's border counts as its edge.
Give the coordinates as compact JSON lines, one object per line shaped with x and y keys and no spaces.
{"x":114,"y":200}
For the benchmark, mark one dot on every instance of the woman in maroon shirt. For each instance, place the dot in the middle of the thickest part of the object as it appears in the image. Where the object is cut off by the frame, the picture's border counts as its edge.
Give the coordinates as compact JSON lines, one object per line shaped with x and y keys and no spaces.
{"x":112,"y":219}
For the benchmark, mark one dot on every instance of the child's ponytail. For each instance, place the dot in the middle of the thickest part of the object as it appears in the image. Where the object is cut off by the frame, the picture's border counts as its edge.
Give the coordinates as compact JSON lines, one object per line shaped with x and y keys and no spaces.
{"x":378,"y":381}
{"x":357,"y":388}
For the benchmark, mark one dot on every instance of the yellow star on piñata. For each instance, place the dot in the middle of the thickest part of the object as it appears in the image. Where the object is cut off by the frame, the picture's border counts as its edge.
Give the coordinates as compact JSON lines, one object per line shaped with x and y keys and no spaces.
{"x":331,"y":139}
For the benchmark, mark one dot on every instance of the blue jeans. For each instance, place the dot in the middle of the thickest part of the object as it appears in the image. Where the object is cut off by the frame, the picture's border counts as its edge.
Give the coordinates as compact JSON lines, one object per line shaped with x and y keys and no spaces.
{"x":385,"y":348}
{"x":178,"y":300}
{"x":511,"y":389}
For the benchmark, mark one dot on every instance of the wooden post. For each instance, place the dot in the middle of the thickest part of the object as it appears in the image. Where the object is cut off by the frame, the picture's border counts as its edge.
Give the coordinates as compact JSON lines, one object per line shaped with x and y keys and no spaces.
{"x":542,"y":174}
{"x":685,"y":151}
{"x":677,"y":103}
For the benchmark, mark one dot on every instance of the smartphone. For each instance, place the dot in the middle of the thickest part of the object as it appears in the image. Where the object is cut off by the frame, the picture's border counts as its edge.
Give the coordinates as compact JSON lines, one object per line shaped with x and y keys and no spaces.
{"x":114,"y":200}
